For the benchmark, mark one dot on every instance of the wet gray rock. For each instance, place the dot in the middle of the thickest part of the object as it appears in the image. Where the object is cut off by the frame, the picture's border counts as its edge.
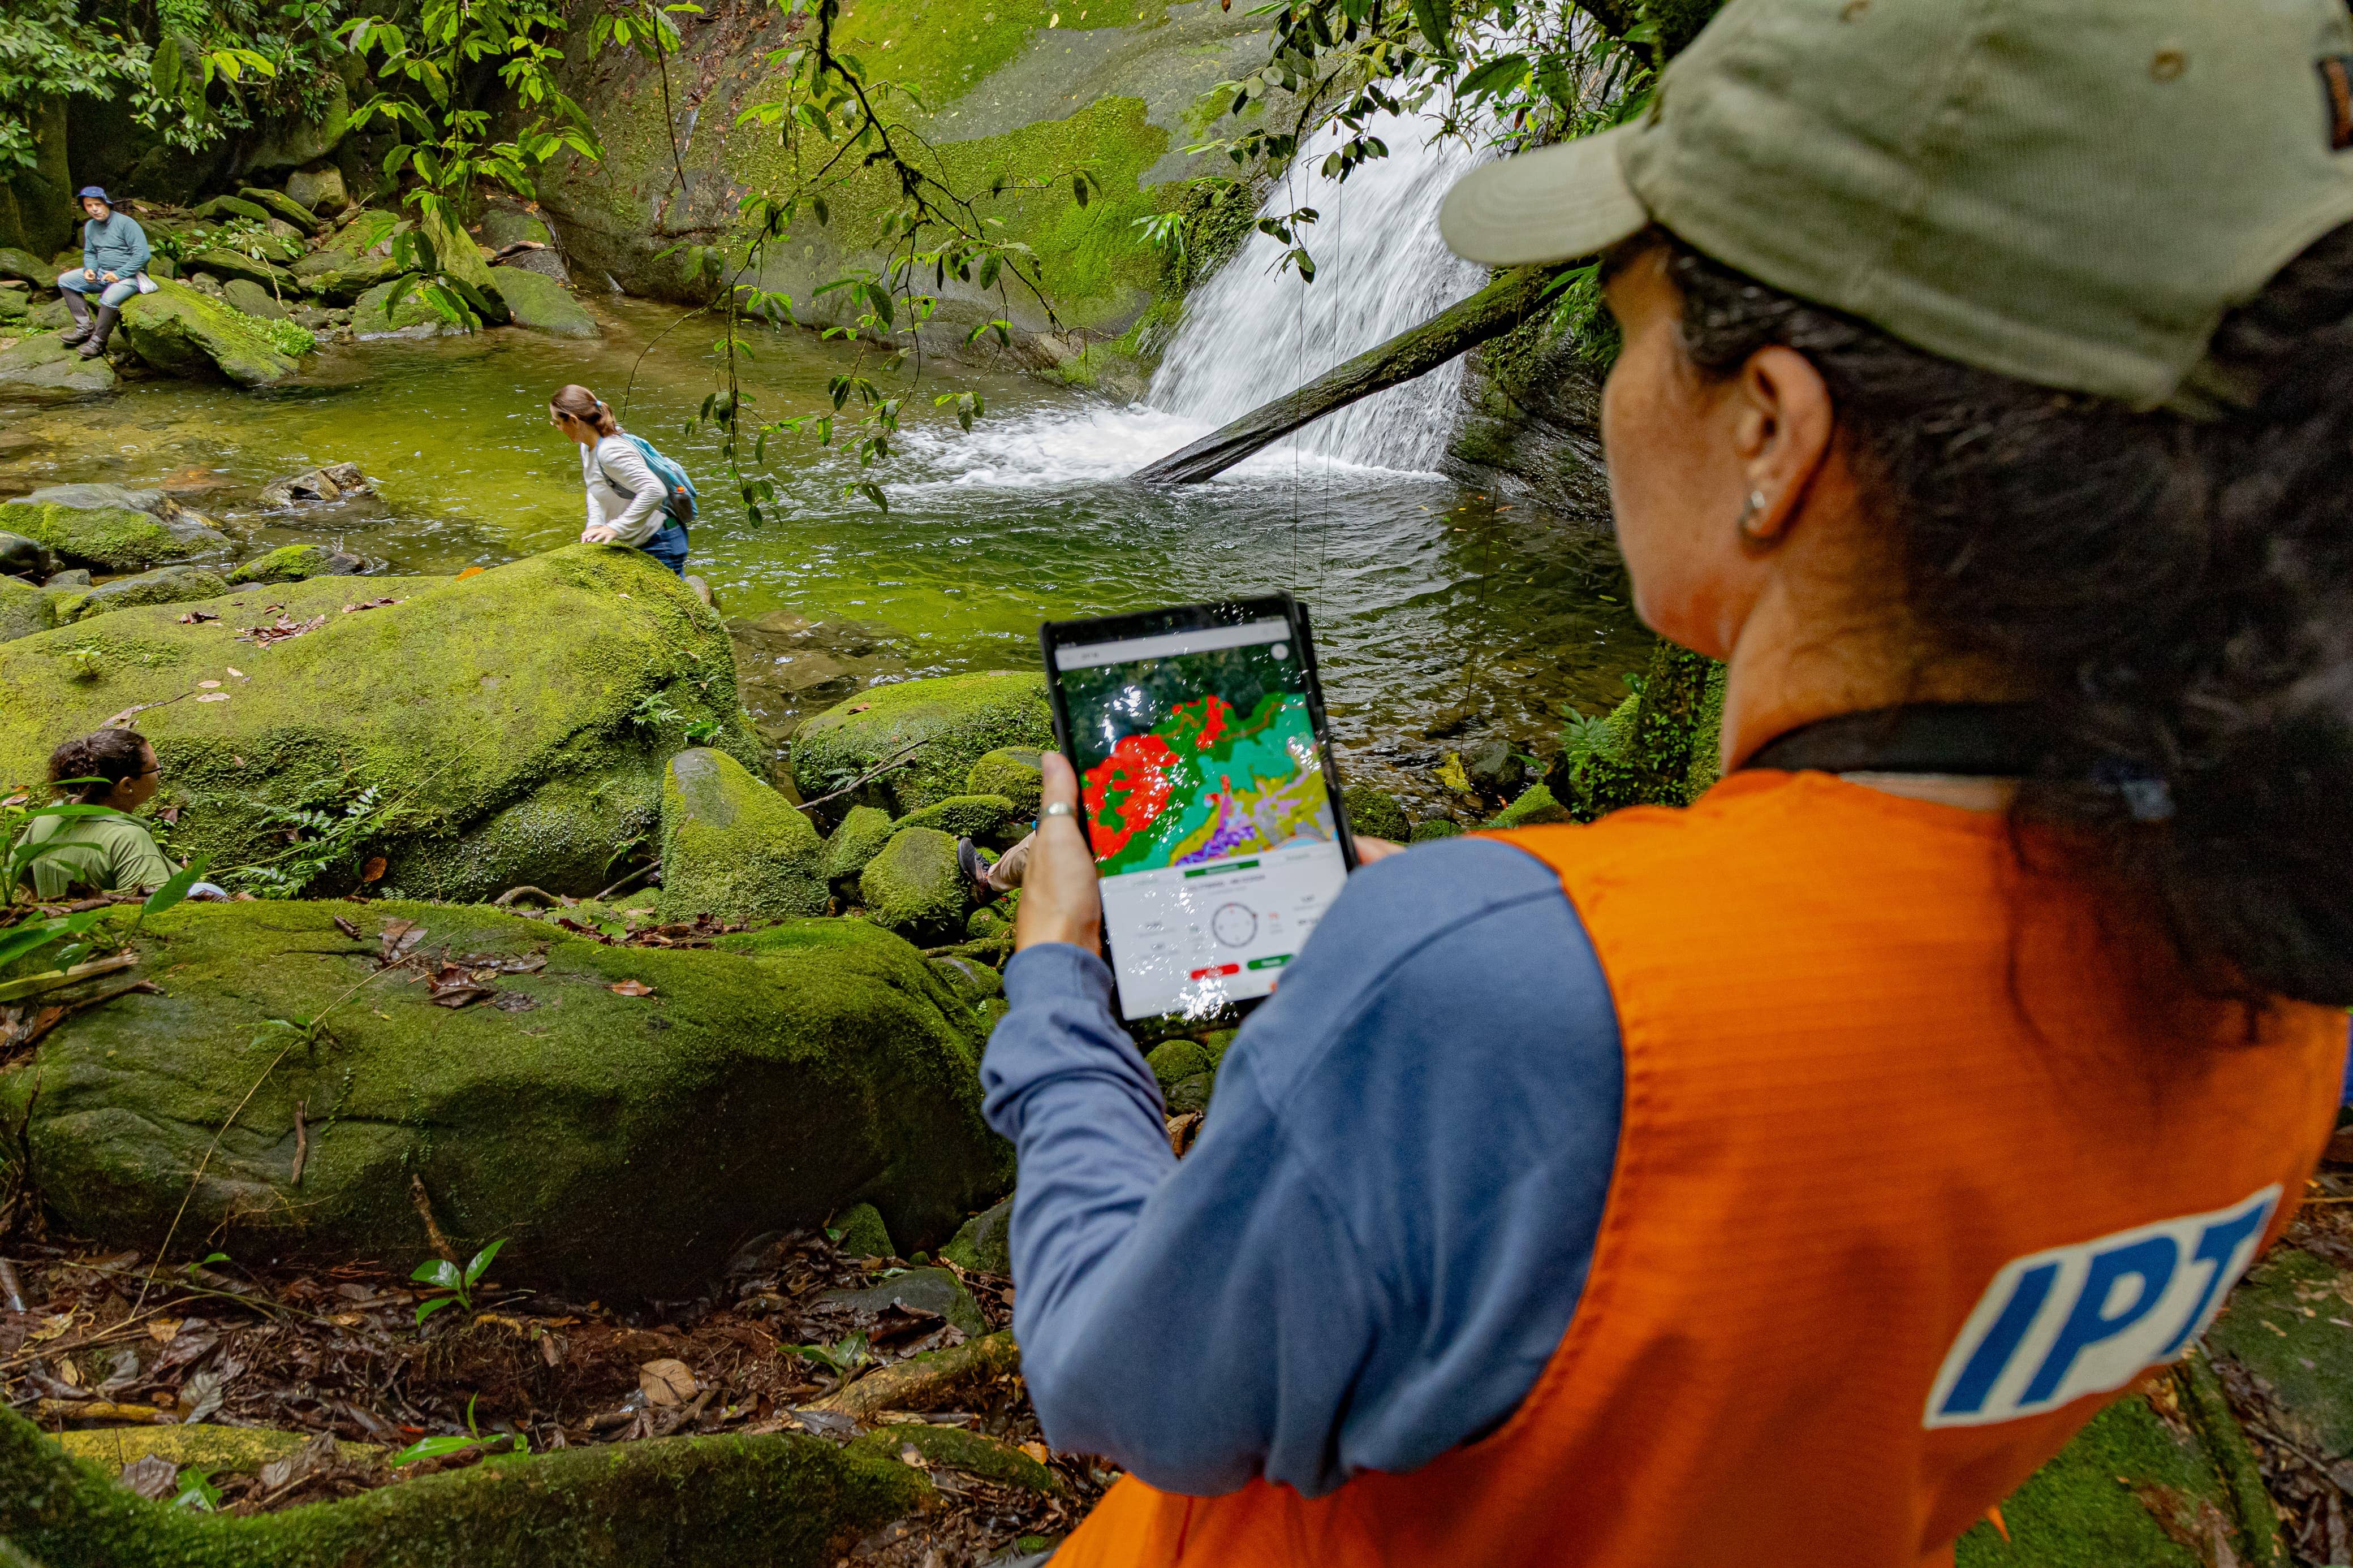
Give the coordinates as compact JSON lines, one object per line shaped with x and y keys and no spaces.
{"x":333,"y":482}
{"x":26,"y":557}
{"x":72,"y":577}
{"x":41,"y":370}
{"x":25,"y":264}
{"x":934,"y":1291}
{"x":1493,"y":769}
{"x":191,"y":530}
{"x":320,"y":188}
{"x":253,"y":300}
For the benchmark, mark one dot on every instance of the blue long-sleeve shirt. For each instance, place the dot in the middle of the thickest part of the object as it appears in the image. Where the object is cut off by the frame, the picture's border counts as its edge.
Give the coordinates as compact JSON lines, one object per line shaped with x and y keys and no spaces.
{"x":115,"y":244}
{"x":1377,"y":1241}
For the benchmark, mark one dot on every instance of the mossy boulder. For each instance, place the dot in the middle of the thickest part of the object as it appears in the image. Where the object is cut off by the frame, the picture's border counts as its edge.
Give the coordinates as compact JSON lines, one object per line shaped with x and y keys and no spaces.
{"x":1434,"y":827}
{"x":24,"y":609}
{"x":280,"y":206}
{"x":540,"y":304}
{"x":786,"y":1501}
{"x":109,"y":538}
{"x":514,"y":725}
{"x":180,"y":332}
{"x":990,"y":819}
{"x":1375,"y":812}
{"x":1174,"y":1061}
{"x":984,"y":1242}
{"x":226,"y":264}
{"x":227,"y":208}
{"x":356,"y":258}
{"x":733,"y":847}
{"x":26,"y":266}
{"x":859,"y":837}
{"x":163,"y":585}
{"x":623,"y":1142}
{"x":253,"y":300}
{"x":926,"y":1289}
{"x":942,"y":726}
{"x":378,"y":314}
{"x":863,"y":1233}
{"x":461,"y":262}
{"x":1011,"y":772}
{"x":915,"y":888}
{"x":296,"y":563}
{"x":1535,"y":806}
{"x":40,"y":370}
{"x":319,"y":189}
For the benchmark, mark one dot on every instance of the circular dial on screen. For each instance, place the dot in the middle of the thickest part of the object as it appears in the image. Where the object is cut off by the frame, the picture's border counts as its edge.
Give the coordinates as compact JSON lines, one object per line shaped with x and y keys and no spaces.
{"x":1234,"y":924}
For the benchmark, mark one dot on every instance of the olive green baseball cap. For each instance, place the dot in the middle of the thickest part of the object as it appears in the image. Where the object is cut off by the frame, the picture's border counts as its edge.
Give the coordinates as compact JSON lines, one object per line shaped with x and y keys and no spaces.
{"x":2070,"y":192}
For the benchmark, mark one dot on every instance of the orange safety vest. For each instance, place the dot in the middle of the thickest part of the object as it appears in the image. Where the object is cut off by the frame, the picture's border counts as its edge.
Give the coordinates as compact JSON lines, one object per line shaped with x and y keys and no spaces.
{"x":1916,"y":1171}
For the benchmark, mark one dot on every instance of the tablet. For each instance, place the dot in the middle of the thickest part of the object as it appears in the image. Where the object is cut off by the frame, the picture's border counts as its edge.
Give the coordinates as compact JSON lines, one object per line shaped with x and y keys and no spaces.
{"x":1206,"y":791}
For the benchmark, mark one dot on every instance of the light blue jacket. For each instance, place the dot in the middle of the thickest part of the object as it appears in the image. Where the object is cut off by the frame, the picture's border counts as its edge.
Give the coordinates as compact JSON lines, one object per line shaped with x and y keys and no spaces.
{"x":115,"y":244}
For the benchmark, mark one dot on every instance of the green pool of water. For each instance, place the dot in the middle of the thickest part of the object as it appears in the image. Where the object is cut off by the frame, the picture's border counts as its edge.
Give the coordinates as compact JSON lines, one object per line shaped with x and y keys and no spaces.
{"x":1431,"y":603}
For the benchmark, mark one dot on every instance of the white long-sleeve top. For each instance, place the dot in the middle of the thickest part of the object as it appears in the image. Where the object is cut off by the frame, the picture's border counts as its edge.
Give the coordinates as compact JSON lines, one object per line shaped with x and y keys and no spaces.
{"x":624,"y":494}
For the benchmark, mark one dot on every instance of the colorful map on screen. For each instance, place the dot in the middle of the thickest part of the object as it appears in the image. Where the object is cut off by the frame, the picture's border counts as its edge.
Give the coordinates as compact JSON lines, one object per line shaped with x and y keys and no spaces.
{"x":1207,"y":783}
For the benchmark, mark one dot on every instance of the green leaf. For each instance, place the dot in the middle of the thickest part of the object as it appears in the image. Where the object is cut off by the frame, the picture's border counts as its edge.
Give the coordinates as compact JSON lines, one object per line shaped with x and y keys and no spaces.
{"x":433,"y":1448}
{"x":438,"y":1271}
{"x":173,"y":891}
{"x":483,"y":1261}
{"x":426,"y":1309}
{"x":873,"y":492}
{"x":1435,"y":20}
{"x":1498,"y":75}
{"x":18,"y":941}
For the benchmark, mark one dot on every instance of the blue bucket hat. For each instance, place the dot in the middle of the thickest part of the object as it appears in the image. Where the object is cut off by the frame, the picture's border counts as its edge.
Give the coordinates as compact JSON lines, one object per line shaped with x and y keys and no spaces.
{"x":93,"y":191}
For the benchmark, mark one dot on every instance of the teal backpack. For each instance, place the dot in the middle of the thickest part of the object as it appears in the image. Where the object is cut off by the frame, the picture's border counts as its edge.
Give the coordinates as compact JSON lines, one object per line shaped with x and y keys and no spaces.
{"x":680,"y":501}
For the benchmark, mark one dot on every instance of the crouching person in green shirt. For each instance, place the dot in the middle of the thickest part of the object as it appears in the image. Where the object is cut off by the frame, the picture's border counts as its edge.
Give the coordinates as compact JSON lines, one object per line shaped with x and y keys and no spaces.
{"x":110,"y":852}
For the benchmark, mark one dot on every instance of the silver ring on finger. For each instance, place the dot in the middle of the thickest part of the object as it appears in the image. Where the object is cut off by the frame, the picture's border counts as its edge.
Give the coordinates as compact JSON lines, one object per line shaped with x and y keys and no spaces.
{"x":1059,"y":808}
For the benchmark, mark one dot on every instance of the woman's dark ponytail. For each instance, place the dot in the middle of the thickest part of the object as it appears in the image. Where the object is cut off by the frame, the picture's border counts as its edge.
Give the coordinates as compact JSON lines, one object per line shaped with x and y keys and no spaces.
{"x":105,"y":759}
{"x":2176,"y":592}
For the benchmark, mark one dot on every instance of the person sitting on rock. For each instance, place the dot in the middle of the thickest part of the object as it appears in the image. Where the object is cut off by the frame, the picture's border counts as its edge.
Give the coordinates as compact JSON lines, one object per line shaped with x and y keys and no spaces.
{"x":109,"y":852}
{"x":628,"y":502}
{"x":113,"y":256}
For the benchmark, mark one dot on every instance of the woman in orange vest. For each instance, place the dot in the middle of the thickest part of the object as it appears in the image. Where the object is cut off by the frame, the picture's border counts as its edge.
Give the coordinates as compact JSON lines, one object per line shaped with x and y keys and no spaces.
{"x":1782,"y":1180}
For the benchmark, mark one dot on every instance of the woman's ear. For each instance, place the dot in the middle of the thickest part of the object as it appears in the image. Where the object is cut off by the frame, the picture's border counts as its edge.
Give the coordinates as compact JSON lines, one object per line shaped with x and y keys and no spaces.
{"x":1783,"y":435}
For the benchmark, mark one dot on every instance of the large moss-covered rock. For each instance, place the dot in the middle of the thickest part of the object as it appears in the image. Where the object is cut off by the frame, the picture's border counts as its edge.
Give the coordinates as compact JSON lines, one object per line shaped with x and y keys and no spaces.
{"x":1012,"y":772}
{"x":396,"y":309}
{"x":733,"y":847}
{"x":180,"y":332}
{"x":542,"y":305}
{"x":163,"y":585}
{"x":915,"y":887}
{"x":110,"y":539}
{"x":990,"y":819}
{"x":513,"y":725}
{"x":253,"y":300}
{"x":983,"y":1243}
{"x":1375,"y":812}
{"x":942,"y":725}
{"x":460,"y":261}
{"x":26,"y":266}
{"x":786,"y":1501}
{"x":226,"y":264}
{"x":24,"y":609}
{"x":623,"y":1142}
{"x":278,"y":205}
{"x":303,"y":135}
{"x":319,"y":190}
{"x":41,"y":370}
{"x":296,"y":563}
{"x":353,"y":261}
{"x":857,"y":840}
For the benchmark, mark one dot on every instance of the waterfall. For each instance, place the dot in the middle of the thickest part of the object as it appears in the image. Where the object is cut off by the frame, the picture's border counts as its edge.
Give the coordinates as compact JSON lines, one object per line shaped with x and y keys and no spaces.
{"x":1252,"y":334}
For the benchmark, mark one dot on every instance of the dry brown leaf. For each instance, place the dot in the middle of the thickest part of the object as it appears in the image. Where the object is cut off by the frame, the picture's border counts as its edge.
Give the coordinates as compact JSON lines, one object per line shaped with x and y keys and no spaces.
{"x":666,"y":1382}
{"x":213,"y":697}
{"x":630,"y":988}
{"x":1039,"y":1451}
{"x":160,"y":1329}
{"x":374,"y":871}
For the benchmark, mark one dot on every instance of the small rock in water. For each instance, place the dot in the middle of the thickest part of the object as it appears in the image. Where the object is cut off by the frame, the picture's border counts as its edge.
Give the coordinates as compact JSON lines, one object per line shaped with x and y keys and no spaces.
{"x":26,"y":557}
{"x":330,"y":483}
{"x":1493,"y":768}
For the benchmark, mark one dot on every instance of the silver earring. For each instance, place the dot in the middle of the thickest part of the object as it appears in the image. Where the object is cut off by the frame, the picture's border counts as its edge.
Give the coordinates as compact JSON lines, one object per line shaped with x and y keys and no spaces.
{"x":1750,"y":513}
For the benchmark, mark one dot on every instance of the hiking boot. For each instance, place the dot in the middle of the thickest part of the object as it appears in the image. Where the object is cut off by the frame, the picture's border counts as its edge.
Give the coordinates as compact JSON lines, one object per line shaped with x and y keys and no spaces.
{"x":79,"y":309}
{"x":107,"y":316}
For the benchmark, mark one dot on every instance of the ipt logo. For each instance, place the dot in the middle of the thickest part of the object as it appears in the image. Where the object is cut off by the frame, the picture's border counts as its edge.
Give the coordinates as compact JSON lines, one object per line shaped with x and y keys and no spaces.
{"x":2057,"y":1325}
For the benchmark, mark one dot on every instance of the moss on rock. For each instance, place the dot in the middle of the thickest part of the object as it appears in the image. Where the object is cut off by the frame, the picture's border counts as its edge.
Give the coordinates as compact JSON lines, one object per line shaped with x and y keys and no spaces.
{"x":1174,"y":1061}
{"x":39,"y":369}
{"x":990,"y":819}
{"x":955,"y":1448}
{"x":461,"y":262}
{"x":915,"y":888}
{"x":1375,"y":812}
{"x":24,"y":609}
{"x":2279,"y":1325}
{"x":110,"y":539}
{"x":241,"y":1448}
{"x":375,"y":314}
{"x":984,"y":1242}
{"x":2098,"y":1503}
{"x":163,"y":585}
{"x":863,"y":1234}
{"x":1433,"y":827}
{"x":181,"y":331}
{"x":950,"y":722}
{"x":514,"y":724}
{"x":1535,"y":806}
{"x":733,"y":847}
{"x":540,"y":304}
{"x":857,"y":840}
{"x":1011,"y":772}
{"x":295,"y":564}
{"x":623,"y":1143}
{"x":781,"y":1501}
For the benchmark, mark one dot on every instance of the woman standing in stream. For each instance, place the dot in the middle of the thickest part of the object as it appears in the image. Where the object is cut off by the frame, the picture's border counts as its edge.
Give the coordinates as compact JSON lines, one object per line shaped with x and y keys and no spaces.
{"x":1782,"y":1180}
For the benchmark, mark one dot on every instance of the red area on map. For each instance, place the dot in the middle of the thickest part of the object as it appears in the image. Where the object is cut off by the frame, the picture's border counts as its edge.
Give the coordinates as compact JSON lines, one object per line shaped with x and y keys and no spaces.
{"x":1203,"y":723}
{"x":1126,"y":791}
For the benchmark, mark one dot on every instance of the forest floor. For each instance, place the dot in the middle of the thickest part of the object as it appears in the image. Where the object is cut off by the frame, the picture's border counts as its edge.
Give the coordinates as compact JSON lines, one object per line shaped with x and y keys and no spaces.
{"x":90,"y":1338}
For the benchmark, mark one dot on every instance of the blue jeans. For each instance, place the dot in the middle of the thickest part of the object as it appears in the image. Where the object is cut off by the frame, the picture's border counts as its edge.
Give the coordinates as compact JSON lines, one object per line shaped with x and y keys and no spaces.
{"x":112,"y":293}
{"x":669,"y":546}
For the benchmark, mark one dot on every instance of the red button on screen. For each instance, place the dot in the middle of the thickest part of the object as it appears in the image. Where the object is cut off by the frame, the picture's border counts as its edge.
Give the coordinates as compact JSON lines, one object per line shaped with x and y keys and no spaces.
{"x":1216,"y":969}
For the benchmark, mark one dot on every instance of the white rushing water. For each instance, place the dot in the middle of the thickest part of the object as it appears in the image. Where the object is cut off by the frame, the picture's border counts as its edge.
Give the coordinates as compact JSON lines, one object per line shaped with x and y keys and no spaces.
{"x":1252,"y":334}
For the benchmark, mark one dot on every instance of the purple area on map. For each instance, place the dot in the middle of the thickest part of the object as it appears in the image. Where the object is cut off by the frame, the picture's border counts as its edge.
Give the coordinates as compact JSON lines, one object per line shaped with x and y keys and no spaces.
{"x":1234,"y":828}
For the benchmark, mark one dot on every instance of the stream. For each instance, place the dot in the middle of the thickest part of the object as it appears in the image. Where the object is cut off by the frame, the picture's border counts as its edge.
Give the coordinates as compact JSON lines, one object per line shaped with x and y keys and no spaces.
{"x":1434,"y":607}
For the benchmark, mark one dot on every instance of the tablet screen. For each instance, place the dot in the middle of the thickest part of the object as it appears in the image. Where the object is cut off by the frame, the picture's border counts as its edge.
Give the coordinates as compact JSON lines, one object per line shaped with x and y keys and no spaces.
{"x":1206,"y":802}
